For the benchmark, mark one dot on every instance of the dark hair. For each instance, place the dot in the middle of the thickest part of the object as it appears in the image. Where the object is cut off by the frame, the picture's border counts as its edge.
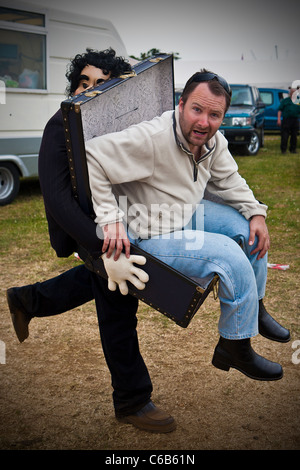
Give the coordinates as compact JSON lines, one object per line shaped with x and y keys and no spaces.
{"x":217,"y":85}
{"x":105,"y":60}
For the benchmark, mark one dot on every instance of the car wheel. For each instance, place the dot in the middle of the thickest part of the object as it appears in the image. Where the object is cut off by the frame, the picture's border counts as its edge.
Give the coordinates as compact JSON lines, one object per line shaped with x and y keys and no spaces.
{"x":9,"y":183}
{"x":253,"y":147}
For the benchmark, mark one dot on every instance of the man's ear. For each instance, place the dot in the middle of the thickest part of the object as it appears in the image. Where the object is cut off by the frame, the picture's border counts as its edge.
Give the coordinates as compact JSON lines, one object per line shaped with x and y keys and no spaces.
{"x":180,"y":104}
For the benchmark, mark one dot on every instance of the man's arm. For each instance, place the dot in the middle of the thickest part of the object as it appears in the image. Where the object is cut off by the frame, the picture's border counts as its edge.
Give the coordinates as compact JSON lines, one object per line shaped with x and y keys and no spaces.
{"x":279,"y":118}
{"x":115,"y":159}
{"x":228,"y":184}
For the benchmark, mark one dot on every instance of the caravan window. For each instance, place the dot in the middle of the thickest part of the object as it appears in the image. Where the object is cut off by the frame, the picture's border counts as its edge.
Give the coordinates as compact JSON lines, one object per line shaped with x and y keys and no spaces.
{"x":22,"y":49}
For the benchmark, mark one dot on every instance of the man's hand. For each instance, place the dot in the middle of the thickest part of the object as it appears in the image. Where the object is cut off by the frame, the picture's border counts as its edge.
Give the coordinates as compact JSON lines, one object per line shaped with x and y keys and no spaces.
{"x":124,"y":270}
{"x":259,"y":228}
{"x":115,"y":237}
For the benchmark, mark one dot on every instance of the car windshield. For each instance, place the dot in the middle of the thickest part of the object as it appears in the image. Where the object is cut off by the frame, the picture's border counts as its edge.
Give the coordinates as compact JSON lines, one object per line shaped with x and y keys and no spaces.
{"x":241,"y":96}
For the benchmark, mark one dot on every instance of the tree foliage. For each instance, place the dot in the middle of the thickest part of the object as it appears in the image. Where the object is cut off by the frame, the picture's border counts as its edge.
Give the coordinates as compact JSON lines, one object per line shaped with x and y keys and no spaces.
{"x":152,"y":52}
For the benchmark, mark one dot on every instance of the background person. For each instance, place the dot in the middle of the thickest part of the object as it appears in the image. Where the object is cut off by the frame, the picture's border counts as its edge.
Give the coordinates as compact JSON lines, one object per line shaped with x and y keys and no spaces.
{"x":289,"y":113}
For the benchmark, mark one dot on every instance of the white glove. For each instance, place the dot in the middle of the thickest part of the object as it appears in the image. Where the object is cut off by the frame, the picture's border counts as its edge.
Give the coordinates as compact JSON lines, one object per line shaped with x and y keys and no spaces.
{"x":124,"y":270}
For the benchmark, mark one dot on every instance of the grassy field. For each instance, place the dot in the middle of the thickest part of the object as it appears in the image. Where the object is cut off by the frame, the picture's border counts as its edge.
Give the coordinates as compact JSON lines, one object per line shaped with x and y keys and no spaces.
{"x":55,"y":388}
{"x":275,"y":180}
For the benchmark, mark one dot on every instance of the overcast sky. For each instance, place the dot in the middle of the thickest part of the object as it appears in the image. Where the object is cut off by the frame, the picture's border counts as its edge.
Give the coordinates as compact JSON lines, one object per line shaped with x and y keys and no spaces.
{"x":206,"y":29}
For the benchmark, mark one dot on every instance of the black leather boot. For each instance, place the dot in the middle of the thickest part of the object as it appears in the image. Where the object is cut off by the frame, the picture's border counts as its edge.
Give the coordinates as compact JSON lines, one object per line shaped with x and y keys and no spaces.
{"x":270,"y":328}
{"x":19,"y":316}
{"x":240,"y":355}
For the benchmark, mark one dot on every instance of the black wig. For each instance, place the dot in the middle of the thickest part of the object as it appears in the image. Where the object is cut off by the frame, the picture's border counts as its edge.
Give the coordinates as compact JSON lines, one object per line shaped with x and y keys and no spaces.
{"x":105,"y":60}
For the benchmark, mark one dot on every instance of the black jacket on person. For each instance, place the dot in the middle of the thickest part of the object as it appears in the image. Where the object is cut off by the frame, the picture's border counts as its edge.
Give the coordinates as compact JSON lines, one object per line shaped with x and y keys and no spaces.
{"x":69,"y":227}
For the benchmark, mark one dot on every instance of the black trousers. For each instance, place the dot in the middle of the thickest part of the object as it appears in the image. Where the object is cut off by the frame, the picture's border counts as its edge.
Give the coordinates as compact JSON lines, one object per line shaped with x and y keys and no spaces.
{"x":289,"y":128}
{"x":117,"y":324}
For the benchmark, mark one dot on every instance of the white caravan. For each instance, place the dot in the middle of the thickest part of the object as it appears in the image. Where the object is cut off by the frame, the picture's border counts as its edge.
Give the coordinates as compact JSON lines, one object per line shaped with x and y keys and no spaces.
{"x":36,"y":44}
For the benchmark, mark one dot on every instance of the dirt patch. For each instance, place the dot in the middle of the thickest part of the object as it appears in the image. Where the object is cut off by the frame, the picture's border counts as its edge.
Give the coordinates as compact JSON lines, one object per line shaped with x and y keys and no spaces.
{"x":55,"y":388}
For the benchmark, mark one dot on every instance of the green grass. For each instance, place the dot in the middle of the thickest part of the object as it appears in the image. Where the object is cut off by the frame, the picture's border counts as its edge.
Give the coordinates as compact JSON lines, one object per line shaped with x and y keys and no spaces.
{"x":274,"y":179}
{"x":23,"y":223}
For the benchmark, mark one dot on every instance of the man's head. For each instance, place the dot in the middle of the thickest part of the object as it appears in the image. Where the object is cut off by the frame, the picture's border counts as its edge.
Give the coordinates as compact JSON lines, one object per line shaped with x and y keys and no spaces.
{"x":217,"y":85}
{"x":108,"y":65}
{"x":202,"y":106}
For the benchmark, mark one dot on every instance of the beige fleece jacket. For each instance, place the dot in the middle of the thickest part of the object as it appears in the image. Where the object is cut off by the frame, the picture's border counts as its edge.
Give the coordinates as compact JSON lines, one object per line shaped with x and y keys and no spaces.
{"x":150,"y":170}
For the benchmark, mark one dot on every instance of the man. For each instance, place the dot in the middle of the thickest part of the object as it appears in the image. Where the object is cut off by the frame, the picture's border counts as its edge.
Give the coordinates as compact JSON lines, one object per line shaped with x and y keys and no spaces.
{"x":69,"y":227}
{"x":289,"y":112}
{"x":164,"y":166}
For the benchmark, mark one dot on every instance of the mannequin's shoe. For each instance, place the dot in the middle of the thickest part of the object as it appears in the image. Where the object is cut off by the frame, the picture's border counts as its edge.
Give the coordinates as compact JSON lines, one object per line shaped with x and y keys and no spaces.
{"x":19,"y":316}
{"x":150,"y":418}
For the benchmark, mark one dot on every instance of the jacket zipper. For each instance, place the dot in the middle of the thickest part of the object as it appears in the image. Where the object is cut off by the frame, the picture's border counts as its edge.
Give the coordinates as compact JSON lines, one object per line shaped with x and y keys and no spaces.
{"x":191,"y":156}
{"x":195,"y":164}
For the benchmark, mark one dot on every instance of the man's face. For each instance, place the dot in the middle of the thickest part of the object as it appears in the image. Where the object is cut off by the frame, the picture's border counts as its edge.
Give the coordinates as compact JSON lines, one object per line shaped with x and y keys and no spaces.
{"x":90,"y":76}
{"x":201,"y":116}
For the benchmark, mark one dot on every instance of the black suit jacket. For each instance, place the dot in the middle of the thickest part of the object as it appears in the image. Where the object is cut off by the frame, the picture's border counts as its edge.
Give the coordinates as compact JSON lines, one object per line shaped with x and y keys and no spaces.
{"x":69,"y":227}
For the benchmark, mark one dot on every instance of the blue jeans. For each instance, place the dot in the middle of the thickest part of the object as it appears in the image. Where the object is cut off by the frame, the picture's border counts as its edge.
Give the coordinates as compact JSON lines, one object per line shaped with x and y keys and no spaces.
{"x":220,"y":246}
